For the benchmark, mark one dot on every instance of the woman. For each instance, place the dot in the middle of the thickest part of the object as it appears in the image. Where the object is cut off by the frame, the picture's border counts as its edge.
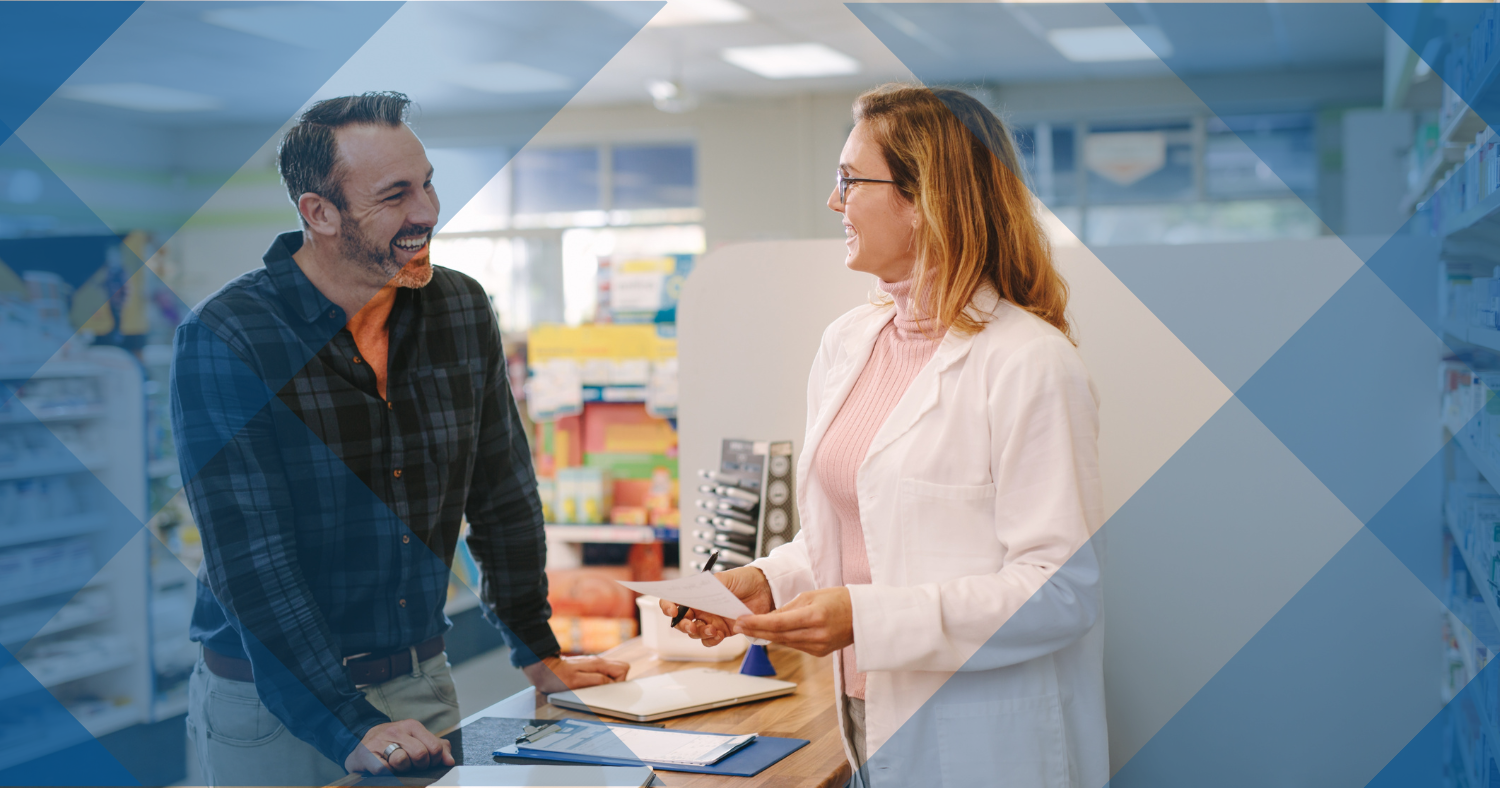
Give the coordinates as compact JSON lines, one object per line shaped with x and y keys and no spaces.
{"x":949,"y":482}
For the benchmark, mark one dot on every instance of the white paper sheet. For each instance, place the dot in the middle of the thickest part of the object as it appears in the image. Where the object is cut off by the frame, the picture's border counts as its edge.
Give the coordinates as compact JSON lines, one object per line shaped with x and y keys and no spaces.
{"x":570,"y":775}
{"x":646,"y":744}
{"x":700,"y":591}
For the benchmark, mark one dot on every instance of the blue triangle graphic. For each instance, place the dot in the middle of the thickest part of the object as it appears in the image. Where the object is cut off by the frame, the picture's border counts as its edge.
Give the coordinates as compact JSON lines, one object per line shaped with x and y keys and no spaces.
{"x":47,"y":43}
{"x":1322,"y":695}
{"x":35,"y":720}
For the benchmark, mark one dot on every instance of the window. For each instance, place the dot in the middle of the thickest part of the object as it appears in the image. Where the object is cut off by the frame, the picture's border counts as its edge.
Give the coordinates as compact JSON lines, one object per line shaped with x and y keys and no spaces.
{"x":1139,"y":162}
{"x":1284,"y":151}
{"x":1176,"y":180}
{"x":534,"y":236}
{"x":551,"y":181}
{"x":654,"y":176}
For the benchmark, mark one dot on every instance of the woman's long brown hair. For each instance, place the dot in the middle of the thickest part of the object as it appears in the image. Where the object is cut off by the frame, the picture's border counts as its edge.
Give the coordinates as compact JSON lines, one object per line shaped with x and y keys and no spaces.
{"x":955,"y":160}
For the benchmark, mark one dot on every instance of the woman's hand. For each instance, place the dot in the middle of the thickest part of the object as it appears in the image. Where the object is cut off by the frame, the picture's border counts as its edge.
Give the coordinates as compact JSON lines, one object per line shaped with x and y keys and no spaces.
{"x":819,"y":622}
{"x":747,"y":583}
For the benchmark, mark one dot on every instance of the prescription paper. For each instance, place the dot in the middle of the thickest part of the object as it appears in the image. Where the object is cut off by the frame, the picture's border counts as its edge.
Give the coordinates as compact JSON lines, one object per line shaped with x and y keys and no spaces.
{"x":700,"y":591}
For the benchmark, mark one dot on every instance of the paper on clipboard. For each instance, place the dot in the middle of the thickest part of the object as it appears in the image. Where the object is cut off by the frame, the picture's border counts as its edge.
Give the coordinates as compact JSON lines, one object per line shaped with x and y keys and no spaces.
{"x":699,"y":591}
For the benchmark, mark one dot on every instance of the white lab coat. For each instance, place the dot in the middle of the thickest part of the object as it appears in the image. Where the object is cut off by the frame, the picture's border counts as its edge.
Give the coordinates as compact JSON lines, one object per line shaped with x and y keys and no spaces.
{"x":980,"y":631}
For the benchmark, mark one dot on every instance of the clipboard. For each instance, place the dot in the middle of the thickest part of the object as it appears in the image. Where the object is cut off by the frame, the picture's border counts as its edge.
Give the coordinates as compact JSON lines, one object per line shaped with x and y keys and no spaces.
{"x":747,"y":761}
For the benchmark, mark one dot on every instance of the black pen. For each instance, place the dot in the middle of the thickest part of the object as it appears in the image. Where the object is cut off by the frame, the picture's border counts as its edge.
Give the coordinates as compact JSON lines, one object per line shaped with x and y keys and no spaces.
{"x":682,"y":610}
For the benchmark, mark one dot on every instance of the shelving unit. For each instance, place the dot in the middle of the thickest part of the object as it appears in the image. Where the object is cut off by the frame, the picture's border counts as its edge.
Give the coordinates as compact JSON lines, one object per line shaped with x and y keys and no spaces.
{"x":1470,"y":250}
{"x":87,"y":647}
{"x":175,"y":551}
{"x":574,"y":533}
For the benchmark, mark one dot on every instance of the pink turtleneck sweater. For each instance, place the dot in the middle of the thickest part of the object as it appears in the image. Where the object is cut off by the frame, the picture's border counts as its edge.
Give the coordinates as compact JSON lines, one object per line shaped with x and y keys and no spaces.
{"x":900,"y":352}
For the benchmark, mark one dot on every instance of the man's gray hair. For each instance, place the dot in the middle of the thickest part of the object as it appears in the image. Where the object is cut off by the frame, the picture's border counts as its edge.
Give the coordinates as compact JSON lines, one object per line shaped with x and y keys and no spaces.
{"x":308,"y":157}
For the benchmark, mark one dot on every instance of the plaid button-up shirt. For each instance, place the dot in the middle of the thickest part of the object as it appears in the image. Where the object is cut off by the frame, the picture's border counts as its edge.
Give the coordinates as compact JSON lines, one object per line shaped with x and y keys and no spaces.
{"x":329,"y":515}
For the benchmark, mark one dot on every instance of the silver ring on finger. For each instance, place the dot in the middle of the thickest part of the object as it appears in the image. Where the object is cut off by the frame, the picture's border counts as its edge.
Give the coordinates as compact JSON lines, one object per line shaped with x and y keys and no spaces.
{"x":391,"y":748}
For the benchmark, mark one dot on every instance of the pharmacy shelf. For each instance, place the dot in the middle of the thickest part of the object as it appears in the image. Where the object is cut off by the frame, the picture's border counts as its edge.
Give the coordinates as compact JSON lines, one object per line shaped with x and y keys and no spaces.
{"x":63,"y":585}
{"x":58,"y":467}
{"x":1451,"y":142}
{"x":172,"y":707}
{"x":1460,"y":131}
{"x":66,"y":620}
{"x":53,"y":672}
{"x":162,"y":468}
{"x":1484,"y":337}
{"x":1471,"y":776}
{"x":58,"y":528}
{"x":16,"y":629}
{"x":1478,"y":573}
{"x":65,"y":734}
{"x":1433,"y":173}
{"x":614,"y":393}
{"x":1476,"y":224}
{"x":51,"y":369}
{"x":1475,"y":713}
{"x":1464,"y":439}
{"x":78,"y":413}
{"x":578,"y":533}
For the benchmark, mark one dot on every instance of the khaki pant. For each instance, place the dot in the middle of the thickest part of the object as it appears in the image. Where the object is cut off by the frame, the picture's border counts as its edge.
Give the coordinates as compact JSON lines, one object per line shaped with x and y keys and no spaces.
{"x":239,"y":741}
{"x":854,"y":723}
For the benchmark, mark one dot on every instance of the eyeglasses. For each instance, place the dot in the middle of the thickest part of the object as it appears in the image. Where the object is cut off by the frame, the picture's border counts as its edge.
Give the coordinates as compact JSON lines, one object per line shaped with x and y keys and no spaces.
{"x":844,"y":181}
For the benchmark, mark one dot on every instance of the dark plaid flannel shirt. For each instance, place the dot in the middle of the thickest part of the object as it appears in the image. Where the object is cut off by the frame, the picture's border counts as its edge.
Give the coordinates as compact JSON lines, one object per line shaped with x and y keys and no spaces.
{"x":329,"y":515}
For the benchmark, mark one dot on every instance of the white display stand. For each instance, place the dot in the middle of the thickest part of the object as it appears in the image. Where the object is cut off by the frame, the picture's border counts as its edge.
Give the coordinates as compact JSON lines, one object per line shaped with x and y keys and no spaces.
{"x":106,"y":681}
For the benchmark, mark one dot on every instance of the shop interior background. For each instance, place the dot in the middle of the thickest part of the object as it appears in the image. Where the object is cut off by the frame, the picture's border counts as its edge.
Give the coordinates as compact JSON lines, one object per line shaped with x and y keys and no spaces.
{"x":719,"y":124}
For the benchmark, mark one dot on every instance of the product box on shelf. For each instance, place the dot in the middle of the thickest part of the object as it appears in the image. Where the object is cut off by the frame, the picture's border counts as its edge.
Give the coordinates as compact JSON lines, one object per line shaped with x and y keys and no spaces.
{"x":559,"y":444}
{"x":583,"y":495}
{"x":591,"y":611}
{"x":573,"y":365}
{"x":640,"y":451}
{"x":641,"y":290}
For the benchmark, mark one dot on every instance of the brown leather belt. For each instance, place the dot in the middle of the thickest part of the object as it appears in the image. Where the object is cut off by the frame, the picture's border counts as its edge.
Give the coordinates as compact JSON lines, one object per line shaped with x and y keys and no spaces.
{"x":363,"y":669}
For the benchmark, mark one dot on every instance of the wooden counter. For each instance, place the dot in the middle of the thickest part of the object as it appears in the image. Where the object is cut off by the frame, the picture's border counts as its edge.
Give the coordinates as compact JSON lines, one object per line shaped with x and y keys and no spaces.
{"x":807,"y":713}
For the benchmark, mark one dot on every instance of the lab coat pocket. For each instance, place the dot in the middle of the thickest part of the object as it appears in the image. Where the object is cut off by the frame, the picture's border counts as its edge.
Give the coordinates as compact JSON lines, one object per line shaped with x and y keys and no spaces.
{"x":949,"y":529}
{"x":1015,"y":743}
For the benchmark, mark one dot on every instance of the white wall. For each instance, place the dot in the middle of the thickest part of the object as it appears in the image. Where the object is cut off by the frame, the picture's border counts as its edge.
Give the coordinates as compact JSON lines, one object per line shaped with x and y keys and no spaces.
{"x":749,"y":323}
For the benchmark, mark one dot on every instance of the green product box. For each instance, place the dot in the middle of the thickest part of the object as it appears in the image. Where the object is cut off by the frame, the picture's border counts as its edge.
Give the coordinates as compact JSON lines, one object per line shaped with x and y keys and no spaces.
{"x":630,"y":465}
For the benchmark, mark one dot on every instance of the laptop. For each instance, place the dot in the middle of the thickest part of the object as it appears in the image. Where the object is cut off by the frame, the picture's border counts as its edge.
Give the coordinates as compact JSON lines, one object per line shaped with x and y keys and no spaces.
{"x":672,"y":694}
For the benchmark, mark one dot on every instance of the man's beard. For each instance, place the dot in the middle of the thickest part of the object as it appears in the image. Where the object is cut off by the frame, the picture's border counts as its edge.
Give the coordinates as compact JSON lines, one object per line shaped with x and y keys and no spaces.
{"x":381,"y":260}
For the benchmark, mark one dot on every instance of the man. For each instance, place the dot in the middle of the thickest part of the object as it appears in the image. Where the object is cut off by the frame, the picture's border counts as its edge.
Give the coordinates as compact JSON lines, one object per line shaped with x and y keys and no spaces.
{"x":337,"y":414}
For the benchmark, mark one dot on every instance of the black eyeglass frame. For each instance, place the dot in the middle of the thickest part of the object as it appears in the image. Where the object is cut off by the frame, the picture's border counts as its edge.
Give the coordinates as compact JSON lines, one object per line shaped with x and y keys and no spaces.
{"x":843,"y":182}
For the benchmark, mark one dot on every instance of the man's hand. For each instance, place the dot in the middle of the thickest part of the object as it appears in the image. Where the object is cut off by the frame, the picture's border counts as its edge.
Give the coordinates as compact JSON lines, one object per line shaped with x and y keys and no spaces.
{"x":556,"y":674}
{"x":819,"y":622}
{"x":747,"y":583}
{"x":419,"y":749}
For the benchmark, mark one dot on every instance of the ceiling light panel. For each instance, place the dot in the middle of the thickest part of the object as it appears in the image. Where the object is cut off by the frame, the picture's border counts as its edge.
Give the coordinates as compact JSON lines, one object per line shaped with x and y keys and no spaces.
{"x":141,"y":97}
{"x":506,"y":77}
{"x":1110,"y":44}
{"x":792,"y":61}
{"x":679,"y":13}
